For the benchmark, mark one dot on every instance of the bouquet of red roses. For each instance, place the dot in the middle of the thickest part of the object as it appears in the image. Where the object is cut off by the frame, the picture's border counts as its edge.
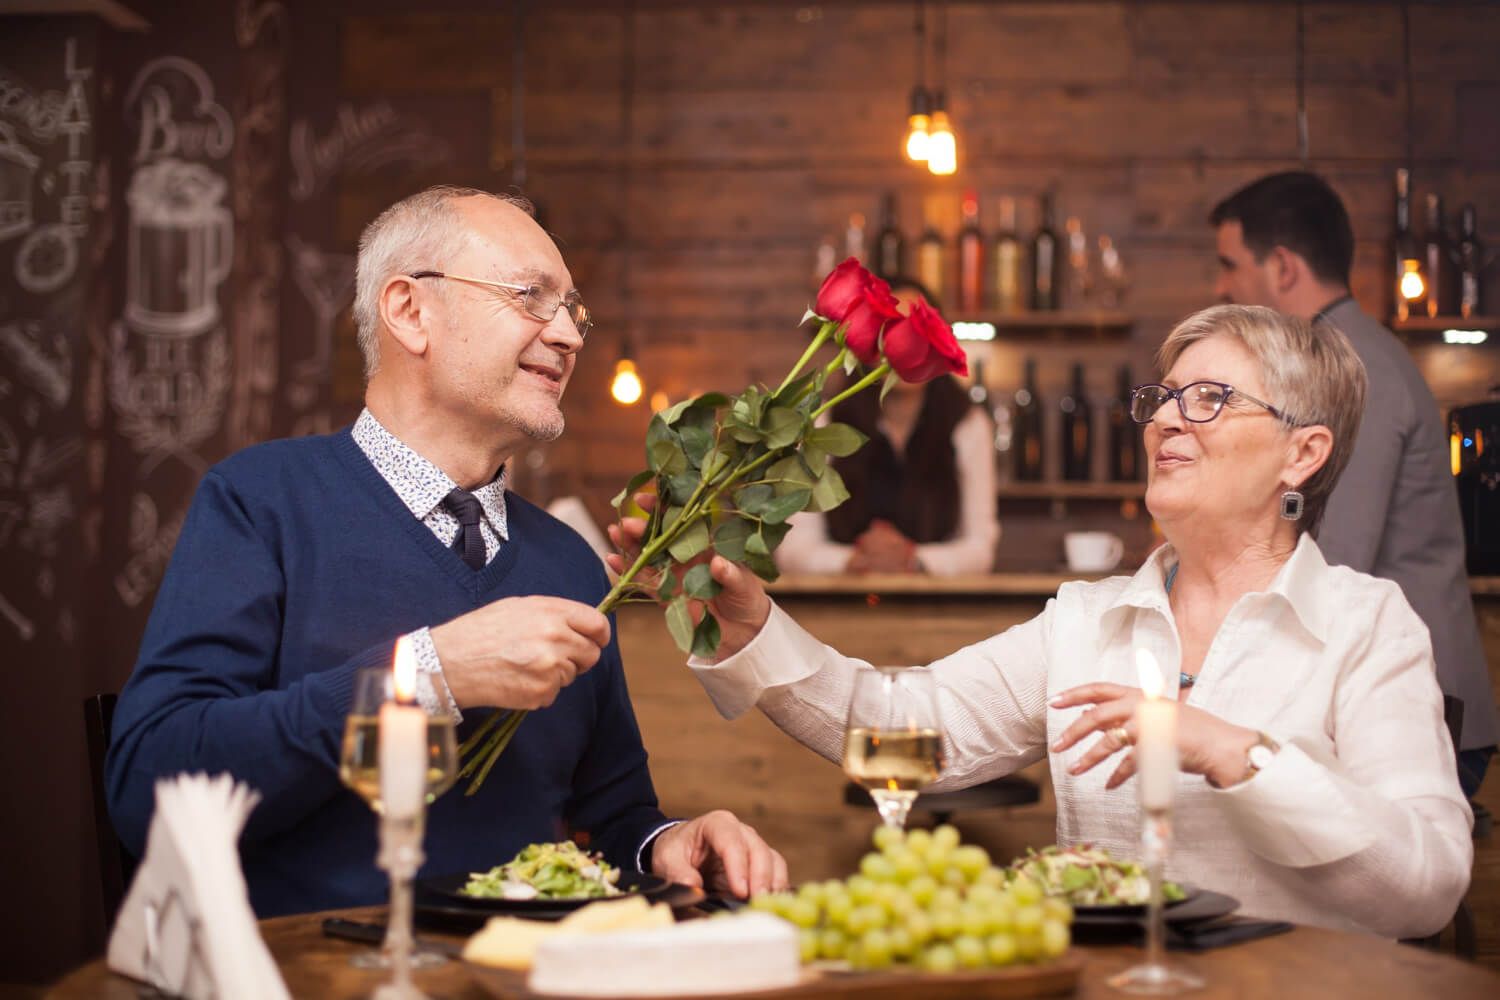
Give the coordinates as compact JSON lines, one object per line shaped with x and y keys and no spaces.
{"x":730,"y":470}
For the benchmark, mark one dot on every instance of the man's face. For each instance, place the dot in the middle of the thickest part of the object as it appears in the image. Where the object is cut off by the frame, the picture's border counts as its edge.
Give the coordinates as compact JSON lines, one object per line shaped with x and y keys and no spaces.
{"x":1242,"y":279}
{"x":492,"y":360}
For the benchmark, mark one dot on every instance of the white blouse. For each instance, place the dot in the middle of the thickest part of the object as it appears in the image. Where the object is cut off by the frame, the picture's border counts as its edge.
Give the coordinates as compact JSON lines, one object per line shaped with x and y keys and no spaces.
{"x":1356,"y":824}
{"x":808,"y":549}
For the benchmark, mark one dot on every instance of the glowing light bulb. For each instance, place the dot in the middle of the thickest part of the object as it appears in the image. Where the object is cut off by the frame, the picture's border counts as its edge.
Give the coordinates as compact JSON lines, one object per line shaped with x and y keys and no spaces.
{"x":942,"y":148}
{"x":1412,"y":285}
{"x":626,"y":388}
{"x":917,"y":139}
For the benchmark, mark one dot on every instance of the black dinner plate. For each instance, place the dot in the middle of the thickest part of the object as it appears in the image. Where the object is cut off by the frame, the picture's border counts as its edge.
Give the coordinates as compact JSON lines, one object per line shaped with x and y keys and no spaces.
{"x":446,"y":892}
{"x":1200,"y":905}
{"x":1133,"y":909}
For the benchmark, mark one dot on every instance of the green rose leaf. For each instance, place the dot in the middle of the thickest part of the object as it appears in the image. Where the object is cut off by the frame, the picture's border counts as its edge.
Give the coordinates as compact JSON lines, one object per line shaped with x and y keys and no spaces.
{"x":762,"y":566}
{"x":710,"y":401}
{"x":890,"y":383}
{"x":664,"y":449}
{"x":668,"y":587}
{"x":779,"y":509}
{"x":816,"y":459}
{"x":680,"y":623}
{"x":636,"y":482}
{"x":829,"y":491}
{"x":670,"y":415}
{"x":773,"y":534}
{"x":706,"y":636}
{"x":679,"y":489}
{"x":714,"y":463}
{"x":693,"y":540}
{"x":784,"y":425}
{"x":753,"y":499}
{"x":792,"y":393}
{"x":729,"y":538}
{"x":695,"y":444}
{"x":836,"y":439}
{"x":790,"y":474}
{"x":669,"y":516}
{"x":699,"y":582}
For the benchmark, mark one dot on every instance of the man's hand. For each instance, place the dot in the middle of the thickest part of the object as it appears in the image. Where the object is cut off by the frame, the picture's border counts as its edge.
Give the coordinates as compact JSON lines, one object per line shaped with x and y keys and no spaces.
{"x":518,"y":652}
{"x":719,"y":853}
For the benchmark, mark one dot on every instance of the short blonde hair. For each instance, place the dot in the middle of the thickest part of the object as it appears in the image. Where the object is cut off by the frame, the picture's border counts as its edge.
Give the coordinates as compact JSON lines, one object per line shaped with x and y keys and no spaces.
{"x":419,"y":232}
{"x":1310,"y":373}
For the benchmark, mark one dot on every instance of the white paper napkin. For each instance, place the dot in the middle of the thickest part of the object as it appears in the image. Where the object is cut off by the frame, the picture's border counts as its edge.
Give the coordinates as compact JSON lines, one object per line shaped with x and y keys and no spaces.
{"x":186,"y":926}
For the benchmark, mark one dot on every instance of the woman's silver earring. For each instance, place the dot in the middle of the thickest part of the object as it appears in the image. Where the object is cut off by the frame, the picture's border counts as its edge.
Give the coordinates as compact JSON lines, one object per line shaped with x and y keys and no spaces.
{"x":1292,"y":502}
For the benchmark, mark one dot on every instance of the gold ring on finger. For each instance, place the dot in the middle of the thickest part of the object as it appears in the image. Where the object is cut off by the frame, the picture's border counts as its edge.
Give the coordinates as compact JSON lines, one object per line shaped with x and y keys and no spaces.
{"x":1121,"y":736}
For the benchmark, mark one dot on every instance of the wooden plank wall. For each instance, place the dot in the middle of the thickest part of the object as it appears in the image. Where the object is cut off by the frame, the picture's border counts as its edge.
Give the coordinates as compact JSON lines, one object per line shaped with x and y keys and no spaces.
{"x":756,"y":128}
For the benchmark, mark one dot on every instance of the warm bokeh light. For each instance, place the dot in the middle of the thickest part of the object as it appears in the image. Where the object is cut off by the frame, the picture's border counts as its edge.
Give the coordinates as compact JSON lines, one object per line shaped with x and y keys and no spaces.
{"x":626,"y":388}
{"x":942,"y":147}
{"x":917,"y":141}
{"x":659,"y":401}
{"x":405,"y":671}
{"x":1149,"y":672}
{"x":1412,"y":285}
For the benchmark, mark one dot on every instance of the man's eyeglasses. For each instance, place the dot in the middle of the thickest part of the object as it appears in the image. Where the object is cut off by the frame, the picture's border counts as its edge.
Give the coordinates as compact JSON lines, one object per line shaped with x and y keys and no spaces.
{"x":1199,"y":402}
{"x":539,"y":301}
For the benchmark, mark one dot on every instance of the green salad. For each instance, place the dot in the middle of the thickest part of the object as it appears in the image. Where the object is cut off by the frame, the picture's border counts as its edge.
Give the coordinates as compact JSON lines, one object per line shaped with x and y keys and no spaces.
{"x":547,"y":871}
{"x":1087,"y":876}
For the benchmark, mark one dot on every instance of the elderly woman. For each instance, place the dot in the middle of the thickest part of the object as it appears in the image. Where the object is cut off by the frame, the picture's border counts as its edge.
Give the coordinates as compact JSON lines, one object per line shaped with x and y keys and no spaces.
{"x":1317,"y":780}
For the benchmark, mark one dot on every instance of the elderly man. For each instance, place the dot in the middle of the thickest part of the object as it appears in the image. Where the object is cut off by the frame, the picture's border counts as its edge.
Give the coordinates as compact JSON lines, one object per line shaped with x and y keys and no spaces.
{"x":1285,"y":242}
{"x":302,"y":561}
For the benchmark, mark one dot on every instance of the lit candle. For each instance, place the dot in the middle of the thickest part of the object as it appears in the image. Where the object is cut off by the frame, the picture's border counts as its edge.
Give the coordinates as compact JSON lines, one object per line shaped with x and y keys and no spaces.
{"x":1156,"y":738}
{"x":403,"y":741}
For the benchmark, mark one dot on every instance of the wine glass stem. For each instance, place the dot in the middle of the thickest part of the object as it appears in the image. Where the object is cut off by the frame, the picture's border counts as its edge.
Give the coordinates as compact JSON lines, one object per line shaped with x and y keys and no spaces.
{"x":893,"y":807}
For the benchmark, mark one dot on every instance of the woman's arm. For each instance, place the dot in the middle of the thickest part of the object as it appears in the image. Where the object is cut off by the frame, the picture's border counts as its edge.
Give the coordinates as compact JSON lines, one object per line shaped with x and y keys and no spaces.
{"x":1379,"y":827}
{"x":808,"y":549}
{"x":972,"y":549}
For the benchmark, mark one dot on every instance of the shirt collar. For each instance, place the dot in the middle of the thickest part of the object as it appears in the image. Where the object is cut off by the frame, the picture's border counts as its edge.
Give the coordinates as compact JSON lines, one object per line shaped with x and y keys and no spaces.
{"x":1301,"y":583}
{"x":419,"y":484}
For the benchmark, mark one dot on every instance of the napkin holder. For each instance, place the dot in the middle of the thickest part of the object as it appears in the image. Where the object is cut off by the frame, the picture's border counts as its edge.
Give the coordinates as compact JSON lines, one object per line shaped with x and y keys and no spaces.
{"x":186,"y":926}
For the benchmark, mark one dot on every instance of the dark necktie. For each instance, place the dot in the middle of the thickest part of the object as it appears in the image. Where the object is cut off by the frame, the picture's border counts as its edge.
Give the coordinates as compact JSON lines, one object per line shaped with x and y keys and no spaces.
{"x":468,"y":543}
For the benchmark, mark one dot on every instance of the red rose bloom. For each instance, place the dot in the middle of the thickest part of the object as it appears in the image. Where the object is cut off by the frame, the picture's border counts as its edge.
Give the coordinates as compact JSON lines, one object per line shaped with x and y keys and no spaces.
{"x":920,"y":347}
{"x":876,"y":308}
{"x":842,"y":290}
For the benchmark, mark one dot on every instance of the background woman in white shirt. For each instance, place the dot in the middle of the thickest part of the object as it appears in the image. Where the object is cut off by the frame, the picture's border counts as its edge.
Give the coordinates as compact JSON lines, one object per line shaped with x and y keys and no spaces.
{"x":1349,"y":814}
{"x":921,"y":491}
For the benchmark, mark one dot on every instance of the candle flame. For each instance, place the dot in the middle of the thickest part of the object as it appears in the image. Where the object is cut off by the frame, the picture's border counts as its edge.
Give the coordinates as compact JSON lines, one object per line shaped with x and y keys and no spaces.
{"x":405,"y":670}
{"x":1149,"y":672}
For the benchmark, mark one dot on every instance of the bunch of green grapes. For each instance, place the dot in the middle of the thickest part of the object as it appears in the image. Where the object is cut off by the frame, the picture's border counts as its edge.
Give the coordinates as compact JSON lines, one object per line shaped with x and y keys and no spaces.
{"x":924,"y":900}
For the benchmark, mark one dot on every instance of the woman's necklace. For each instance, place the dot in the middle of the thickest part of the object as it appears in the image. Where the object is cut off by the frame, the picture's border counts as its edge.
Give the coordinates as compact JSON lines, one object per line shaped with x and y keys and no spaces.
{"x":1183,"y":680}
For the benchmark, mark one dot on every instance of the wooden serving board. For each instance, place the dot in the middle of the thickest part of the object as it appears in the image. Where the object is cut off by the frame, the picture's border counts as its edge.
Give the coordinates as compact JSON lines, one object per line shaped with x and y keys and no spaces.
{"x":1056,"y":978}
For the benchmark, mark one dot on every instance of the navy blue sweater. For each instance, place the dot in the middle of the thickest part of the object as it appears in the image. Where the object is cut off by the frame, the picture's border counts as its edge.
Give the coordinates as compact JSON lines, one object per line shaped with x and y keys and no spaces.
{"x":296,"y":566}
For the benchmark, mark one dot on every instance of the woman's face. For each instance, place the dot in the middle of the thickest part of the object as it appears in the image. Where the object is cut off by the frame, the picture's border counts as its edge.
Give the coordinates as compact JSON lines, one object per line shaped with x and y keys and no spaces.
{"x":1226,"y":472}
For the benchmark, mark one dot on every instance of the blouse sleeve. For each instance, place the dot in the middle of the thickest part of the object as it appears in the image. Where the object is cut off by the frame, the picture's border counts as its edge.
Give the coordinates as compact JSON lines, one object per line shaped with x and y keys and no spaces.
{"x":808,"y":549}
{"x":1383,"y":819}
{"x":972,"y":548}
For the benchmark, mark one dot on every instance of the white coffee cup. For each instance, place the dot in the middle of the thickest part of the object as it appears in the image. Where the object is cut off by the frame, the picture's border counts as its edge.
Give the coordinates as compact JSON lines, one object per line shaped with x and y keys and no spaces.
{"x":1092,"y":551}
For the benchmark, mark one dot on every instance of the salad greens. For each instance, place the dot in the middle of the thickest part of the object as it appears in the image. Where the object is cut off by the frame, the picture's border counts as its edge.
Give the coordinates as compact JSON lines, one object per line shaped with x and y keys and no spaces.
{"x":547,"y":871}
{"x":1087,"y":876}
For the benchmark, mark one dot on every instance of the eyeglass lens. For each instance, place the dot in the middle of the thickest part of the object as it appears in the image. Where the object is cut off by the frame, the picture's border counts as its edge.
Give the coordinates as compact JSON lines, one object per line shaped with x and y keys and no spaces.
{"x":543,"y":303}
{"x":1199,"y":402}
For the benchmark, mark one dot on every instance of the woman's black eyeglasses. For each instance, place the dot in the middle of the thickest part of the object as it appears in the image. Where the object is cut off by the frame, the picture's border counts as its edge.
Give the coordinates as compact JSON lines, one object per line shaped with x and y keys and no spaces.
{"x":1199,"y":402}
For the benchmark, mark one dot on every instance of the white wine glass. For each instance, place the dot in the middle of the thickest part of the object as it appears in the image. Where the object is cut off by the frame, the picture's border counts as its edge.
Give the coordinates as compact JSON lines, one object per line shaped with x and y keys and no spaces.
{"x":359,"y":769}
{"x":893,"y":741}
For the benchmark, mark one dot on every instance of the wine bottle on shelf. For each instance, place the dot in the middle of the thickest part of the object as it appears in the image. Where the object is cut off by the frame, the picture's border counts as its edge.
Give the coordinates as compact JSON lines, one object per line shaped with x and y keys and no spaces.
{"x":890,"y":246}
{"x":854,"y":237}
{"x":979,"y":392}
{"x":1026,"y":429}
{"x":1436,"y":263}
{"x":930,"y":252}
{"x":970,"y":258}
{"x":1406,"y":279}
{"x":1077,"y":430}
{"x":1470,"y":264}
{"x":1007,"y":260}
{"x":1125,"y":451}
{"x":1044,"y":260}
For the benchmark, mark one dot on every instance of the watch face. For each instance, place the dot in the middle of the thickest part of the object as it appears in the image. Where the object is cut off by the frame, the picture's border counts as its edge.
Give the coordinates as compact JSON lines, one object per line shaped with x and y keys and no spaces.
{"x":1260,"y":756}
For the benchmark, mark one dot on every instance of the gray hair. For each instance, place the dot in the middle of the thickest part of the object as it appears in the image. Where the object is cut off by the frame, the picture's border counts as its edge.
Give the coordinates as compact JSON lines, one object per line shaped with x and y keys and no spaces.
{"x":1310,"y":372}
{"x":418,"y":232}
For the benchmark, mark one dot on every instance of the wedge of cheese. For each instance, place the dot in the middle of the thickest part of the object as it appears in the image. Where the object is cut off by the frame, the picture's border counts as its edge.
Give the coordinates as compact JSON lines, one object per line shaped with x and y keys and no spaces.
{"x":509,"y":942}
{"x":751,"y":951}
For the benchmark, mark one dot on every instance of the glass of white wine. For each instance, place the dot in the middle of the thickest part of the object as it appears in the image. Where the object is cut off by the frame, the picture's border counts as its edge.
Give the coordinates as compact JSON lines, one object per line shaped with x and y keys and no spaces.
{"x":359,"y":769}
{"x":893,"y":741}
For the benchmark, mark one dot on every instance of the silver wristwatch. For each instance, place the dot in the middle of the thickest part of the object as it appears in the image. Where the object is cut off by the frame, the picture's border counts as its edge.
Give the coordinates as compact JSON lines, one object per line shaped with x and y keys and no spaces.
{"x":1261,"y":752}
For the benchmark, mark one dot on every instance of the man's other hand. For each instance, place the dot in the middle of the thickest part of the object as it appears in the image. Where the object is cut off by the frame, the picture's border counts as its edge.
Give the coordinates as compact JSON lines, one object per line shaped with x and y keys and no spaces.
{"x":719,"y":854}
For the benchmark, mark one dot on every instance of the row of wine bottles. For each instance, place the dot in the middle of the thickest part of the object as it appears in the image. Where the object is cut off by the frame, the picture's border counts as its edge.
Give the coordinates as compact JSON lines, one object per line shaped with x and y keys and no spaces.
{"x":1020,"y":439}
{"x":1442,"y":275}
{"x":999,"y":271}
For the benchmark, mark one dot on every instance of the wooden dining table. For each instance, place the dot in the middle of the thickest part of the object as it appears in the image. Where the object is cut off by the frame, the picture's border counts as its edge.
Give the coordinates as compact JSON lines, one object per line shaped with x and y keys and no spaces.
{"x":1305,"y":962}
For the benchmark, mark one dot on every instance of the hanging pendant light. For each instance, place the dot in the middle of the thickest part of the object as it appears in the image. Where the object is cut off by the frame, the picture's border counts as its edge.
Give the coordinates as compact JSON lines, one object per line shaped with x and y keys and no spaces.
{"x":626,"y":387}
{"x":942,"y":145}
{"x":918,"y":117}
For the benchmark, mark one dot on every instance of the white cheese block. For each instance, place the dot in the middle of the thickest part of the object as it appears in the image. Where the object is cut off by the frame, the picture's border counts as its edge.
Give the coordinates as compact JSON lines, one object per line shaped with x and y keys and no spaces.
{"x":751,"y":951}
